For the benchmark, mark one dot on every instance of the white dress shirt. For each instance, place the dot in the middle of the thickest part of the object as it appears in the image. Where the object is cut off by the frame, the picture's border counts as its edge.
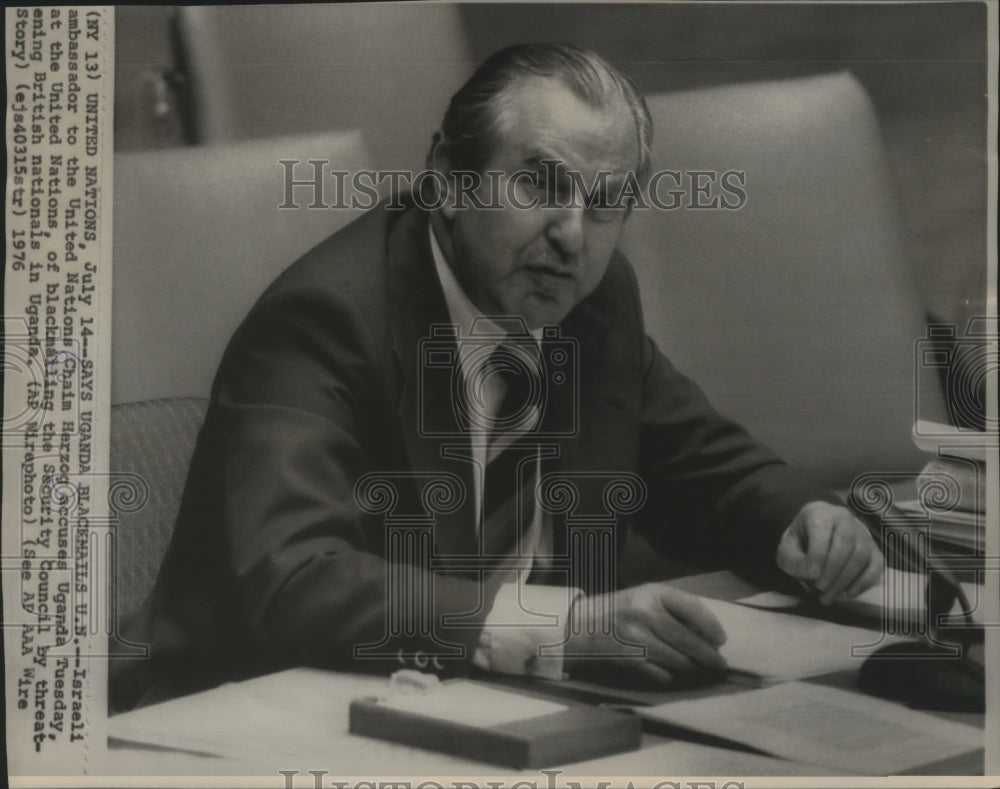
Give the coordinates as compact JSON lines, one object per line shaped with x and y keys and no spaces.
{"x":511,"y":637}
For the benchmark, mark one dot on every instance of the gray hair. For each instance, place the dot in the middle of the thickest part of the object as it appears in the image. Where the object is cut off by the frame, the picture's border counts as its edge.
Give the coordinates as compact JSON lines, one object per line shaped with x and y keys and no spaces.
{"x":470,"y":128}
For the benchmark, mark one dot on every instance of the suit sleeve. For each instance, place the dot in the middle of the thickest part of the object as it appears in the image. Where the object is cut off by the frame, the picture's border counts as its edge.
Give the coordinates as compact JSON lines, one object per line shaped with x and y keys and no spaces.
{"x":290,"y":428}
{"x":717,"y":496}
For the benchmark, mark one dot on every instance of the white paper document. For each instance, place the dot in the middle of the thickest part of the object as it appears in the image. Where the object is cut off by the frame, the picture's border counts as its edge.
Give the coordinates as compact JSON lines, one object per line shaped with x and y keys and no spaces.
{"x":825,"y":726}
{"x":775,"y":646}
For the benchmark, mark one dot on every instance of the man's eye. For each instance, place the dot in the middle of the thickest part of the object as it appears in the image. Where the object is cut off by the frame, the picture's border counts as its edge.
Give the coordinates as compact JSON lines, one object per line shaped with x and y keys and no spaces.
{"x":607,"y":207}
{"x":552,"y":191}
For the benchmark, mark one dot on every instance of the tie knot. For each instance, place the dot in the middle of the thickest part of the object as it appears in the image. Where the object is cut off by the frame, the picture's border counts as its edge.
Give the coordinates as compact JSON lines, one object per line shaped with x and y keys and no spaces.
{"x":517,"y":362}
{"x":515,"y":358}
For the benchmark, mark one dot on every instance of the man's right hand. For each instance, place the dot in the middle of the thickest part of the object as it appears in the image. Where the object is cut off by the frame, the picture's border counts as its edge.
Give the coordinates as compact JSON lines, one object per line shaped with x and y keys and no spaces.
{"x":681,"y":637}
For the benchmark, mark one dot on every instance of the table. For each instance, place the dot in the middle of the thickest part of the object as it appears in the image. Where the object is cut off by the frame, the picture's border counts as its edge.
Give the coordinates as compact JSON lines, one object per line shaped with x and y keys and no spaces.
{"x":297,"y":720}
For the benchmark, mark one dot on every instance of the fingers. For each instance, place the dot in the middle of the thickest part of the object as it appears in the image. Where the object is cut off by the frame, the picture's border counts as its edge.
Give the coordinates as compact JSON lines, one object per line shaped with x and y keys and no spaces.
{"x":851,"y":554}
{"x":830,"y":548}
{"x":689,"y":610}
{"x":791,"y":558}
{"x":679,"y":635}
{"x":665,"y":655}
{"x":871,"y":576}
{"x":842,"y":557}
{"x":850,"y":568}
{"x":654,"y":673}
{"x":803,"y":546}
{"x":687,"y":635}
{"x":821,"y":538}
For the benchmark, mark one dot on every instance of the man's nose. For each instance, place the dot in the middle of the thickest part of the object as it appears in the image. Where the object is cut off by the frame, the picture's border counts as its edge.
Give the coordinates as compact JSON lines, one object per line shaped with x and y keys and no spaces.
{"x":565,"y":230}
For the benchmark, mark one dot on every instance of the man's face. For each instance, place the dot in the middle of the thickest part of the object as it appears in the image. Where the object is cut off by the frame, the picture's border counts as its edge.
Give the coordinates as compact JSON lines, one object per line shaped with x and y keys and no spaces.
{"x":540,"y":262}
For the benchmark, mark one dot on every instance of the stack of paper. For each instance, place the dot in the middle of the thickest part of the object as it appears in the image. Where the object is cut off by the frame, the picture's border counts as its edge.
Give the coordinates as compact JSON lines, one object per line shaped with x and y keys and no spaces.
{"x":951,"y":487}
{"x":952,"y":531}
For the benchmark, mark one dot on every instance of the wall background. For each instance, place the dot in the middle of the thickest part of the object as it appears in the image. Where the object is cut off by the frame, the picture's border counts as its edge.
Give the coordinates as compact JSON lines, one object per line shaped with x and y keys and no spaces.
{"x":227,"y":73}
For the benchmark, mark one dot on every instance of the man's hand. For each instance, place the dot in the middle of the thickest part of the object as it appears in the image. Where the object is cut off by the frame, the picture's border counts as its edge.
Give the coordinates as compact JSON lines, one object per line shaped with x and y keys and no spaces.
{"x":831,"y":551}
{"x":680,"y":635}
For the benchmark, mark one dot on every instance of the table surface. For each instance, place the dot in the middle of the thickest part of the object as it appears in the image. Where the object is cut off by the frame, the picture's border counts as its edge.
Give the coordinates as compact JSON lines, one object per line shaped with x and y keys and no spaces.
{"x":298,"y":720}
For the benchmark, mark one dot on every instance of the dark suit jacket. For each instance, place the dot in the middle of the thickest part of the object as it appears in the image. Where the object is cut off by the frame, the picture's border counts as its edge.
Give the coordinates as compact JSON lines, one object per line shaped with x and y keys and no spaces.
{"x":273,"y":563}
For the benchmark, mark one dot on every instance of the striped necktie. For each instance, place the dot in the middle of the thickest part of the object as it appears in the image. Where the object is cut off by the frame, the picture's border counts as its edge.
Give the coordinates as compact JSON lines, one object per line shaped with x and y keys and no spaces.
{"x":512,"y":454}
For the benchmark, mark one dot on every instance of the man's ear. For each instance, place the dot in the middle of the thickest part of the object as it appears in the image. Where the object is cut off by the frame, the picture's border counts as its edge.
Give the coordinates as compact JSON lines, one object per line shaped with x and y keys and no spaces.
{"x":439,"y":160}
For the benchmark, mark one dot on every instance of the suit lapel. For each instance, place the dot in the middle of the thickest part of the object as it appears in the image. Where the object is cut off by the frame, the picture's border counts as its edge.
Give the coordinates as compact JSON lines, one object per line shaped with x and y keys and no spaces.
{"x":588,"y":327}
{"x":426,"y":415}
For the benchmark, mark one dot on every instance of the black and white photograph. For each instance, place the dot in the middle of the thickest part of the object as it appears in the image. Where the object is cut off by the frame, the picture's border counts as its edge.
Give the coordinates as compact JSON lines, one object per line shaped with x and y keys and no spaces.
{"x":543,"y":394}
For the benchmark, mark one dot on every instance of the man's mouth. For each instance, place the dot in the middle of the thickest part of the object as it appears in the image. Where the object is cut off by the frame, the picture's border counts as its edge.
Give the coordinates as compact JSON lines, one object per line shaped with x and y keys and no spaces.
{"x":546,"y":271}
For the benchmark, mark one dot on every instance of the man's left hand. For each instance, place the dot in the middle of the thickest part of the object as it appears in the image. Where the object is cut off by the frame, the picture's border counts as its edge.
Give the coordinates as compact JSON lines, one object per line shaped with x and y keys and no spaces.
{"x":831,"y":551}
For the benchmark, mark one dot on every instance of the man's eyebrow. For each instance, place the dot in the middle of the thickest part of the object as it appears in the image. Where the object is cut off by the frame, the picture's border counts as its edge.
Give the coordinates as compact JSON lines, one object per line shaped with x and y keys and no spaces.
{"x":614,"y":181}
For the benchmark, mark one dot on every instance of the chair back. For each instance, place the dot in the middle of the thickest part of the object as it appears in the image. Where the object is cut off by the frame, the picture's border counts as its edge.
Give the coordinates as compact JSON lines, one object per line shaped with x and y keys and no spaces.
{"x":795,"y":308}
{"x":198,"y":235}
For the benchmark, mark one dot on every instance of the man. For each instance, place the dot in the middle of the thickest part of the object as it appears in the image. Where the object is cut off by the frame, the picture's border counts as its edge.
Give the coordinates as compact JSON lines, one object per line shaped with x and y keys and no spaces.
{"x":335,"y":413}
